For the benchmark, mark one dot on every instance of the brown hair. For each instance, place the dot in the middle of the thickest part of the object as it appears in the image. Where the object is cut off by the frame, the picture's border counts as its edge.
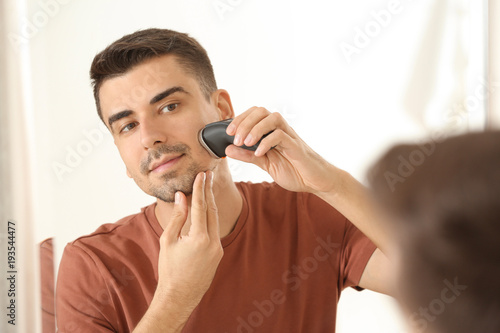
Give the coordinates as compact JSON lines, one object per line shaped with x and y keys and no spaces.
{"x":446,"y":211}
{"x":138,"y":47}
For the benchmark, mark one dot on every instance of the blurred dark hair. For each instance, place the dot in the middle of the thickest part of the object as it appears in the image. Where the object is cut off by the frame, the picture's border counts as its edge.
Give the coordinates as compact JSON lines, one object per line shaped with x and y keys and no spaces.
{"x":443,"y":199}
{"x":138,"y":47}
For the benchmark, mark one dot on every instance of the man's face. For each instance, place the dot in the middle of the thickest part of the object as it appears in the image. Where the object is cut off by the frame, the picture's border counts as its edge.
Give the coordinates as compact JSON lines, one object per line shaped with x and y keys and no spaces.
{"x":154,"y":113}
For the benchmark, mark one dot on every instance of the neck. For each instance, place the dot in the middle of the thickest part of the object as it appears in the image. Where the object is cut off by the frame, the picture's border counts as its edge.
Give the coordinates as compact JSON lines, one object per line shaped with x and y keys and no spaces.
{"x":227,"y":198}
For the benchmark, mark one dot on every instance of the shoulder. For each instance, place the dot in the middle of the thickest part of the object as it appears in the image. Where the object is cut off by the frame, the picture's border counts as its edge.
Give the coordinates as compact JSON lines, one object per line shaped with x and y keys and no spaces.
{"x":267,"y":197}
{"x":116,"y":236}
{"x":264,"y":187}
{"x":267,"y":190}
{"x":272,"y":199}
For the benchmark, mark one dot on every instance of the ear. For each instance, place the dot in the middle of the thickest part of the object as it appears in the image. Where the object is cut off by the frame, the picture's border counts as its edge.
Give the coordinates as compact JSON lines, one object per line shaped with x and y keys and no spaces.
{"x":223,"y":104}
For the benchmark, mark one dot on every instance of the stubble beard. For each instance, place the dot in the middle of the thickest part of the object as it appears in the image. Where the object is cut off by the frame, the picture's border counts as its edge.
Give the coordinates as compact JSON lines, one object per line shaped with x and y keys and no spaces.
{"x":172,"y":182}
{"x":177,"y":180}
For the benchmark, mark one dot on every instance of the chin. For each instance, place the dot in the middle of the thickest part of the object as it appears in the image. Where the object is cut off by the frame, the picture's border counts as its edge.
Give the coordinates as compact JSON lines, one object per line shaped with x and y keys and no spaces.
{"x":172,"y":182}
{"x":169,"y":183}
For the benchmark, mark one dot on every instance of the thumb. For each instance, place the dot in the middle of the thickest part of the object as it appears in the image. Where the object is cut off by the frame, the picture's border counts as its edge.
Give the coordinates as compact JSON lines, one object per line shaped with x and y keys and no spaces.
{"x":177,"y":218}
{"x":243,"y":155}
{"x":240,"y":153}
{"x":248,"y":156}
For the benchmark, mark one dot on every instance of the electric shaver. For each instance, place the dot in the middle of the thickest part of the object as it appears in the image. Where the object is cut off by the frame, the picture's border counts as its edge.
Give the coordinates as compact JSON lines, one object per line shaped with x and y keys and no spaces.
{"x":215,"y":139}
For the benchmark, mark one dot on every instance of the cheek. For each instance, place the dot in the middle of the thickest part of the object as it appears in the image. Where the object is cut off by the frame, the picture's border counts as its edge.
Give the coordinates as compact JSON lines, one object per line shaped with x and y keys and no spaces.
{"x":196,"y":148}
{"x":200,"y":153}
{"x":130,"y":158}
{"x":206,"y":116}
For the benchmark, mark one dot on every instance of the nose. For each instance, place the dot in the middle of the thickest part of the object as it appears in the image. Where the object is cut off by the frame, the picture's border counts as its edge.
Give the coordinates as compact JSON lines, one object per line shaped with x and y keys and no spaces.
{"x":152,"y":132}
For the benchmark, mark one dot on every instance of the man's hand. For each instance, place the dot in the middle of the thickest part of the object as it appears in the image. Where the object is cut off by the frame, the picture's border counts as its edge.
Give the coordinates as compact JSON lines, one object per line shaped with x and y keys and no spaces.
{"x":292,"y":163}
{"x":187,"y":264}
{"x":296,"y":167}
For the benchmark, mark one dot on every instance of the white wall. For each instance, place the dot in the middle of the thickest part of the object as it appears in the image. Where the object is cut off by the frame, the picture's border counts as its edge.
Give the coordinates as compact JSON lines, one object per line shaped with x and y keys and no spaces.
{"x":494,"y":62}
{"x":284,"y":55}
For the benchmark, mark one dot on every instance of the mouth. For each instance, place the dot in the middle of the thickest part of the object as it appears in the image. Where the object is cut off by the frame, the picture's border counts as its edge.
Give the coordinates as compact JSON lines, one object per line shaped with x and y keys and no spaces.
{"x":164,"y":163}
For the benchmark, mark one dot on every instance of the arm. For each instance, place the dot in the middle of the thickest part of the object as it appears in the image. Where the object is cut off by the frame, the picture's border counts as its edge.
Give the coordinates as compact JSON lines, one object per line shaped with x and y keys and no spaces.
{"x":296,"y":167}
{"x":351,"y":199}
{"x":187,"y":264}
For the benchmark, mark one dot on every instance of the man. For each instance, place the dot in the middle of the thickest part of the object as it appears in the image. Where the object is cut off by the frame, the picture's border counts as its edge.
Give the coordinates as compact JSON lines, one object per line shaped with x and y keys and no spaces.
{"x":212,"y":255}
{"x":446,"y":217}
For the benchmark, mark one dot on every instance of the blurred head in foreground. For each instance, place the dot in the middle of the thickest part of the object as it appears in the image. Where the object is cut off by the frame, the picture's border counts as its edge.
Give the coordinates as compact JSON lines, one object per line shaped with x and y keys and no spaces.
{"x":443,"y":202}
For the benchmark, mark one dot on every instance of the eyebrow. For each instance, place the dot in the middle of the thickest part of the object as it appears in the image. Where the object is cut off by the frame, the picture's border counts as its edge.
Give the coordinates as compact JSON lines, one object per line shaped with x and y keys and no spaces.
{"x":125,"y":113}
{"x":167,"y":93}
{"x":117,"y":116}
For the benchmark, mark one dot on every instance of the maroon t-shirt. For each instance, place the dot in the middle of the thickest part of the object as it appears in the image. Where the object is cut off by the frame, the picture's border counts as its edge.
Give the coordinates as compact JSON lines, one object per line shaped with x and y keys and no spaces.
{"x":284,"y":266}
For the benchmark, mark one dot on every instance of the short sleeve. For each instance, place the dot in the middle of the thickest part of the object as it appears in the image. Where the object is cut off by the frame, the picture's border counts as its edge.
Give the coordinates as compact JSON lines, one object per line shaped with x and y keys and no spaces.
{"x":82,"y":297}
{"x":357,"y":250}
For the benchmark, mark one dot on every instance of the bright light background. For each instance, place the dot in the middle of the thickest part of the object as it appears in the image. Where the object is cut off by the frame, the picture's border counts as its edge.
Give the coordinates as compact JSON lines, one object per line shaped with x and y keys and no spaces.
{"x":288,"y":56}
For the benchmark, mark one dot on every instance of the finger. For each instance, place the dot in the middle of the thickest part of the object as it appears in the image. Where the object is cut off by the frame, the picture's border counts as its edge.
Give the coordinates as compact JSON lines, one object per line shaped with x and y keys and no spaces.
{"x":265,"y":126}
{"x":177,"y":219}
{"x":247,"y":124}
{"x":212,"y":212}
{"x":240,"y":154}
{"x":231,"y":129}
{"x":247,"y":156}
{"x":198,"y":206}
{"x":277,"y":139}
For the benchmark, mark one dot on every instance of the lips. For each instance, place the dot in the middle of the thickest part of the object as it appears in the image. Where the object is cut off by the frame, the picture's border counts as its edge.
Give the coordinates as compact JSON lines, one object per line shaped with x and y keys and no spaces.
{"x":164,"y":163}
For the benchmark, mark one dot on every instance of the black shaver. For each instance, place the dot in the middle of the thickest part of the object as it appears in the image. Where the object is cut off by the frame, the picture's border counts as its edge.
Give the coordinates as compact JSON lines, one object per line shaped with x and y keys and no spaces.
{"x":215,"y":139}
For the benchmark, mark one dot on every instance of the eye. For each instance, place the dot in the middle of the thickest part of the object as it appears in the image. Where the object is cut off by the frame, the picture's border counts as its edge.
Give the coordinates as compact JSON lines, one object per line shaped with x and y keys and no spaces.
{"x":169,"y":107}
{"x":128,"y":127}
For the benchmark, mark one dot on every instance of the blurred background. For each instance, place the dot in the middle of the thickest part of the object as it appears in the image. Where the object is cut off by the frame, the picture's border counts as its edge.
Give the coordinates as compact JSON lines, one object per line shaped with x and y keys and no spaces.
{"x":352,"y":78}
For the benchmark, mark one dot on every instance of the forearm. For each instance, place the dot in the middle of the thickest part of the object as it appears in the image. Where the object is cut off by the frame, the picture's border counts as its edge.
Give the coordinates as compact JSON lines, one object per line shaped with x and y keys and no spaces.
{"x":164,"y":316}
{"x":354,"y":201}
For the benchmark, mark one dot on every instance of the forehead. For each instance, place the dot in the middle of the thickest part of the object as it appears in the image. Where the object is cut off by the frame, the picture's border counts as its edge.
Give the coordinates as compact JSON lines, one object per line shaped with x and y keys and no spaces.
{"x":137,"y":86}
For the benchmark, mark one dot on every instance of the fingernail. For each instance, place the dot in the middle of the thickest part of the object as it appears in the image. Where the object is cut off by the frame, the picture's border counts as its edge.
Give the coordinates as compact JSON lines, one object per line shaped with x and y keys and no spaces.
{"x":248,"y":140}
{"x":177,"y":198}
{"x":230,"y":129}
{"x":237,"y":140}
{"x":258,"y":151}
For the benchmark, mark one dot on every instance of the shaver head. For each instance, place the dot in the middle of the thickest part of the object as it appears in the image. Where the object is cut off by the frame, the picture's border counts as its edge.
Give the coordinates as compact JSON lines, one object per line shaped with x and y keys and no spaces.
{"x":214,"y":139}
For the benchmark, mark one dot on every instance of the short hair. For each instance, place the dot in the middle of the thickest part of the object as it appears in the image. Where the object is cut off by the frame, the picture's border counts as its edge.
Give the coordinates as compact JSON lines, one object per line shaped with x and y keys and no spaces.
{"x":443,"y":200}
{"x":136,"y":48}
